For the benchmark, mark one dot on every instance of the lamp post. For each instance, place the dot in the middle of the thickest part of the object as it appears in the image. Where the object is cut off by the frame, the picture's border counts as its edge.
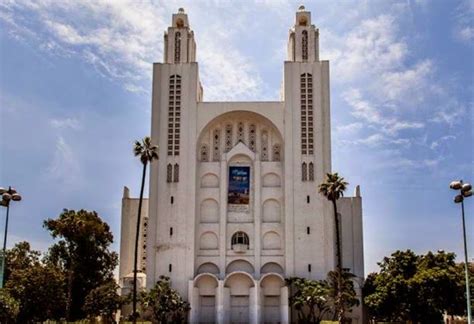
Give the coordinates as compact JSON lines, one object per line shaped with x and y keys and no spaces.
{"x":7,"y":196}
{"x":465,"y":192}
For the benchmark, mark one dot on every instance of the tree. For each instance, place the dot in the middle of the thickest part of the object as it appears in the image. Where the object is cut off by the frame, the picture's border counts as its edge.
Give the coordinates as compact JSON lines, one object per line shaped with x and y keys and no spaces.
{"x":9,"y":307}
{"x":417,"y":288}
{"x":147,"y":153}
{"x":333,"y":189}
{"x":341,"y":291}
{"x":82,"y":252}
{"x":103,"y":301}
{"x":41,"y":292}
{"x":37,"y":286}
{"x":310,"y":299}
{"x":166,"y":305}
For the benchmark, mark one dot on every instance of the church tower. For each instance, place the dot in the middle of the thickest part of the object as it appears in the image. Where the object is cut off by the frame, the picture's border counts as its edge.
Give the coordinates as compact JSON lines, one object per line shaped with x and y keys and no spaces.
{"x":308,"y":147}
{"x":176,"y":92}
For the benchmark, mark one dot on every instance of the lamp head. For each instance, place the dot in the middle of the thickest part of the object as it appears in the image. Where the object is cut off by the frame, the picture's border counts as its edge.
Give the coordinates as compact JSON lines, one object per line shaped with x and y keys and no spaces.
{"x":456,"y":185}
{"x":16,"y":197}
{"x":466,"y":187}
{"x":467,"y":193}
{"x":6,"y":196}
{"x":458,"y":199}
{"x":2,"y":190}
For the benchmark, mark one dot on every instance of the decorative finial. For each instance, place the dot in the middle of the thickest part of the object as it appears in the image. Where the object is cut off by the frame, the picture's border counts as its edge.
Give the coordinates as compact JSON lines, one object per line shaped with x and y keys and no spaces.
{"x":301,"y":8}
{"x":181,"y":10}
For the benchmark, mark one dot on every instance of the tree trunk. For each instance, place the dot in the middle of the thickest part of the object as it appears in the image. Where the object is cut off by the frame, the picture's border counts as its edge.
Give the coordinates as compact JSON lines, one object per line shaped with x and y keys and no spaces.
{"x":137,"y":236}
{"x":339,"y":307}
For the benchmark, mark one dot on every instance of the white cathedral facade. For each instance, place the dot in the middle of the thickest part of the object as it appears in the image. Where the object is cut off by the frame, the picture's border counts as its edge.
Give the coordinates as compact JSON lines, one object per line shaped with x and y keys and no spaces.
{"x":233,"y":204}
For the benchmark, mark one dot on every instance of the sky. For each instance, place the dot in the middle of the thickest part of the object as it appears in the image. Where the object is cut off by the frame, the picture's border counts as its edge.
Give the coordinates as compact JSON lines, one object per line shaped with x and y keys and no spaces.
{"x":75,"y":92}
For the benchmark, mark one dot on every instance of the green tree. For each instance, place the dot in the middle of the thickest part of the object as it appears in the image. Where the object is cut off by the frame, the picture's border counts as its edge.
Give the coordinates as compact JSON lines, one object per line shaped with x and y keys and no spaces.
{"x":103,"y":301}
{"x":417,"y":288}
{"x":9,"y":307}
{"x":37,"y":286}
{"x":147,"y":153}
{"x":333,"y":188}
{"x":310,"y":298}
{"x":82,"y":252}
{"x":341,"y":291}
{"x":166,"y":305}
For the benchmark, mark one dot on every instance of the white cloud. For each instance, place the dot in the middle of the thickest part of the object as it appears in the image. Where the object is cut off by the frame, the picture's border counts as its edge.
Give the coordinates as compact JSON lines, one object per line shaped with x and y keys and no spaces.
{"x":407,"y":83}
{"x":443,"y":139}
{"x":349,"y":129}
{"x":65,"y":165}
{"x":66,"y":123}
{"x":463,"y":30}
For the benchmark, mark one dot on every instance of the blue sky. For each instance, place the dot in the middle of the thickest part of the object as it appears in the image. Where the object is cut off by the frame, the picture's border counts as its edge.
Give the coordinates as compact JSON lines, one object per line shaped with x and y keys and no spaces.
{"x":75,"y":81}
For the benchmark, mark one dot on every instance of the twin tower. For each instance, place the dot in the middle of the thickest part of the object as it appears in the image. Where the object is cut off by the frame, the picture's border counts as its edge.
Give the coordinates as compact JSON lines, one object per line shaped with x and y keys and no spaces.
{"x":234,"y":206}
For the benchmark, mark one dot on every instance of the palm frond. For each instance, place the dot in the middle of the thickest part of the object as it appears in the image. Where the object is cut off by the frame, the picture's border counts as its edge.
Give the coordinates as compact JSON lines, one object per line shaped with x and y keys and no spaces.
{"x":145,"y":150}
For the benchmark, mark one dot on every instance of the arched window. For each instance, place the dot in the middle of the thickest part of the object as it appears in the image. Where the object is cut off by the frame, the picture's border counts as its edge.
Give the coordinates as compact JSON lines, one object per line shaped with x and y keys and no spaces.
{"x":204,"y":153}
{"x":306,"y":101}
{"x":240,"y":238}
{"x":177,"y":47}
{"x":216,"y":138}
{"x":276,"y":152}
{"x":264,"y":145}
{"x":304,"y":172}
{"x":240,"y":133}
{"x":228,"y":137}
{"x":176,"y":173}
{"x":304,"y":45}
{"x":311,"y":171}
{"x":174,"y":114}
{"x":252,"y":137}
{"x":169,"y":173}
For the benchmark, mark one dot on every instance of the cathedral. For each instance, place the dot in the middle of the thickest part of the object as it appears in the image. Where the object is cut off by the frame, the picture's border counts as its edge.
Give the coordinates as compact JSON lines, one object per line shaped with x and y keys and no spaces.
{"x":233,"y":205}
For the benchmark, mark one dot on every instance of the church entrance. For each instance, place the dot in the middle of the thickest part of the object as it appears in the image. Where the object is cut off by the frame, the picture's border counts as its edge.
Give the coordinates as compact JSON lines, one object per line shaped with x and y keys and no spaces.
{"x":239,"y":309}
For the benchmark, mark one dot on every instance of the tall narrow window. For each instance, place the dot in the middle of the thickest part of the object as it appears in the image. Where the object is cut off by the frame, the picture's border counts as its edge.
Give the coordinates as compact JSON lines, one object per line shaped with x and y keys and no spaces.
{"x":304,"y":45}
{"x":177,"y":47}
{"x":169,"y":173}
{"x":174,"y":114}
{"x":306,"y":101}
{"x":216,"y":138}
{"x":204,"y":153}
{"x":264,"y":146}
{"x":311,"y":171}
{"x":304,"y":172}
{"x":276,"y":152}
{"x":252,"y":137}
{"x":240,"y":133}
{"x":176,"y":173}
{"x":228,"y":137}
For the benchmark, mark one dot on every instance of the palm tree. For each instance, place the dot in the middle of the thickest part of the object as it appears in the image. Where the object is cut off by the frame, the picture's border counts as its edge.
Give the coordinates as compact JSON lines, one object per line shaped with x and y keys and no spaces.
{"x":333,"y":189}
{"x":147,"y":153}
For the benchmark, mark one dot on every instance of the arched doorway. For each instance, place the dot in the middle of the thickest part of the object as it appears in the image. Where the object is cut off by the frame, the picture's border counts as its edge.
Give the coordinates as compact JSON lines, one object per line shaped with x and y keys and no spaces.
{"x":240,"y":285}
{"x":271,"y":285}
{"x":206,"y":284}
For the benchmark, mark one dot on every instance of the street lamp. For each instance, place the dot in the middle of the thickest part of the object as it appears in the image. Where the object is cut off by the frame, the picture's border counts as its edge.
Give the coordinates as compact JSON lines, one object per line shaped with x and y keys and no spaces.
{"x":7,"y":196}
{"x":465,"y":192}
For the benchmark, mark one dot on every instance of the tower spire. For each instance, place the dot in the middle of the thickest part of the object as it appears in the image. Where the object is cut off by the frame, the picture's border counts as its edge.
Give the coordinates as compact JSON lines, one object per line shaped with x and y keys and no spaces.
{"x":303,"y":42}
{"x":180,"y":46}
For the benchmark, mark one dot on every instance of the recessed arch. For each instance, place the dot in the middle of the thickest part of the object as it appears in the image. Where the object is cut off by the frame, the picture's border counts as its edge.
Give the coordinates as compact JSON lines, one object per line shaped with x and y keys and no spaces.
{"x":210,"y":180}
{"x":208,"y":267}
{"x":271,"y":267}
{"x":271,"y":241}
{"x":209,"y":212}
{"x":271,"y":180}
{"x":271,"y":211}
{"x":240,"y":266}
{"x":208,"y":241}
